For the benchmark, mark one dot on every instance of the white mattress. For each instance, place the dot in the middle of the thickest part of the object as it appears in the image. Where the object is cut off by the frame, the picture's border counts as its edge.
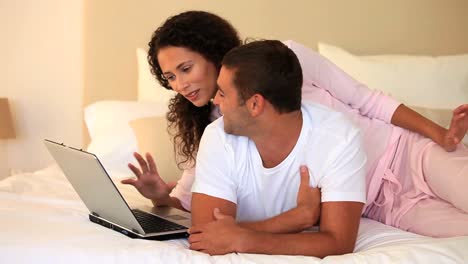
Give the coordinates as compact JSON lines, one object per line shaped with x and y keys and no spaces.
{"x":43,"y":221}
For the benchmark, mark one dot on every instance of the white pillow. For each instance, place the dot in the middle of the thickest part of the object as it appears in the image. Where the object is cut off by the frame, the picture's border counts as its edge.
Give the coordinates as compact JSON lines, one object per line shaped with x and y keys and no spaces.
{"x":149,"y":88}
{"x":112,"y":138}
{"x":432,"y":82}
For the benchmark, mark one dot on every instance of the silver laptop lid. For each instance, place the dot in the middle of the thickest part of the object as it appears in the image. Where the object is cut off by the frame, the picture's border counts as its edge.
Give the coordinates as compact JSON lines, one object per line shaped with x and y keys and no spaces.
{"x":94,"y":186}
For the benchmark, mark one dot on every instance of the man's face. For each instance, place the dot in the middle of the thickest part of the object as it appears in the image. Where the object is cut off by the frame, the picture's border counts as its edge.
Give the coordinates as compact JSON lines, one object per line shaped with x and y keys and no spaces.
{"x":236,"y":116}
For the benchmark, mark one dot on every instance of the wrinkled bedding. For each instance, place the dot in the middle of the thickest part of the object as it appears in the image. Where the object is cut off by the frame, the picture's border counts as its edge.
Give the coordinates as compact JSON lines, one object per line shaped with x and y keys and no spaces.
{"x":44,"y":221}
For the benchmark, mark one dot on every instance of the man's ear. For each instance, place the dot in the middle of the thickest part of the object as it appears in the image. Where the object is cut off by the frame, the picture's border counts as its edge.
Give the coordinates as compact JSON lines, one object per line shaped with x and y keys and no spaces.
{"x":256,"y":105}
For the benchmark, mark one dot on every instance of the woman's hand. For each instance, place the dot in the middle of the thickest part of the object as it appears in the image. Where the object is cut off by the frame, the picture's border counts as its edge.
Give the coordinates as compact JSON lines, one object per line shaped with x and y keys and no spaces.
{"x":148,"y":182}
{"x":458,"y":128}
{"x":448,"y":139}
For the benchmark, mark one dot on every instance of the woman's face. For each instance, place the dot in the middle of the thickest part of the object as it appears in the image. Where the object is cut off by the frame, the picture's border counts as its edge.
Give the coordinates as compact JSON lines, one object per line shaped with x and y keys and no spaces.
{"x":189,"y":74}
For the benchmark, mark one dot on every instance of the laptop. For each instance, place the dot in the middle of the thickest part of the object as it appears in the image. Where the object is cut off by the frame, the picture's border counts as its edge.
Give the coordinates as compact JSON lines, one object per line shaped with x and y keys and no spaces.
{"x":106,"y":204}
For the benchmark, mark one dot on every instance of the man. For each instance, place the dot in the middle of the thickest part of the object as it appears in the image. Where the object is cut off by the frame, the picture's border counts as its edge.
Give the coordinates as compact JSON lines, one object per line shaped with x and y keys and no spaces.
{"x":249,"y":160}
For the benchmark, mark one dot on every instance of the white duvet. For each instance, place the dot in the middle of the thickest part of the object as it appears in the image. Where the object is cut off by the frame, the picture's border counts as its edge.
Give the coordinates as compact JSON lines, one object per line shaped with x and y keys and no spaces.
{"x":43,"y":220}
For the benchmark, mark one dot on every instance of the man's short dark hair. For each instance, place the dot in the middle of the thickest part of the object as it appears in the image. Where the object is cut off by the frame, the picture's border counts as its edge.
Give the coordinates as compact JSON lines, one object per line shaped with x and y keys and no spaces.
{"x":268,"y":68}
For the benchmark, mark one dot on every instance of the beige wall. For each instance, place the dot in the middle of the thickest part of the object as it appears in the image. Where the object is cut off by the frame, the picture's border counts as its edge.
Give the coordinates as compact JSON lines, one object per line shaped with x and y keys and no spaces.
{"x":60,"y":55}
{"x":115,"y":28}
{"x":41,"y":72}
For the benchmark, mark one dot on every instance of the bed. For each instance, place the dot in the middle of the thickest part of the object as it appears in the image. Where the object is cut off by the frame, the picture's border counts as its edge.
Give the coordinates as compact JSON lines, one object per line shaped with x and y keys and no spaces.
{"x":44,"y":221}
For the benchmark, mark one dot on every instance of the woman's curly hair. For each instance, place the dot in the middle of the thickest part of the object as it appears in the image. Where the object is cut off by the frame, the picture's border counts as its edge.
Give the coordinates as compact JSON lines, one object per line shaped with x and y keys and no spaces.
{"x":212,"y":37}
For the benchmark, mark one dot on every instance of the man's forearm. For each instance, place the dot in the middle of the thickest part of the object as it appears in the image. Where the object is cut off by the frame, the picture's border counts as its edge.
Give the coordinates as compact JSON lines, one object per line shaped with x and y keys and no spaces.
{"x":318,"y":244}
{"x":292,"y":221}
{"x":339,"y":224}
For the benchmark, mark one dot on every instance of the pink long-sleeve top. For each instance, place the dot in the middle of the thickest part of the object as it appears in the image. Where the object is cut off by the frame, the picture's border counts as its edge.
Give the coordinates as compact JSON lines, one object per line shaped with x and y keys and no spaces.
{"x":370,"y":110}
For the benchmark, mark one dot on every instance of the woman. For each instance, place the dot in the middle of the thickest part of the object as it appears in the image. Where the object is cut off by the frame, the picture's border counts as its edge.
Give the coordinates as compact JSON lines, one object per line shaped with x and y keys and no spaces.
{"x":185,"y":51}
{"x":185,"y":55}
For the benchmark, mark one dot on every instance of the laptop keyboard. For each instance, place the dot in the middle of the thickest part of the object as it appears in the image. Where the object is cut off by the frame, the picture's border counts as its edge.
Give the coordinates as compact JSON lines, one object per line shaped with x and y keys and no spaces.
{"x":154,"y":224}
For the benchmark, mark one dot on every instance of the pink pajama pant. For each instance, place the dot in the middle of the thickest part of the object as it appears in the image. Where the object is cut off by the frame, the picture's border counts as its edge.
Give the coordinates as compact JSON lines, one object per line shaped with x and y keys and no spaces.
{"x":425,"y":190}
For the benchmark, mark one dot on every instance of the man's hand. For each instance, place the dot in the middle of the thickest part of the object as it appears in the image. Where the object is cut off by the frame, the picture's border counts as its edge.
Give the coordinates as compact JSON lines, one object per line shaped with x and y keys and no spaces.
{"x":148,"y":182}
{"x":305,"y":215}
{"x":308,"y":199}
{"x":458,"y":128}
{"x":219,"y":237}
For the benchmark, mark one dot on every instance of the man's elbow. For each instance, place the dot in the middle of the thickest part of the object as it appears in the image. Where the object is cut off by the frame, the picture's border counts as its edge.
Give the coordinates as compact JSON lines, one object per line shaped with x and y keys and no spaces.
{"x":339,"y":246}
{"x":344,"y":246}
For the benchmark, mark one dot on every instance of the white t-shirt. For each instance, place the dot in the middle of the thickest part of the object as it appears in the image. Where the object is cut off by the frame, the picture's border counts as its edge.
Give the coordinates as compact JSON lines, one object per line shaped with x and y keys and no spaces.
{"x":229,"y":167}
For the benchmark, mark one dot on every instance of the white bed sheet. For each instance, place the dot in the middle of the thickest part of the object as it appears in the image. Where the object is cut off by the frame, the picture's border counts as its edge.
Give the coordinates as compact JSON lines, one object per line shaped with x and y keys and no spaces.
{"x":43,"y":221}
